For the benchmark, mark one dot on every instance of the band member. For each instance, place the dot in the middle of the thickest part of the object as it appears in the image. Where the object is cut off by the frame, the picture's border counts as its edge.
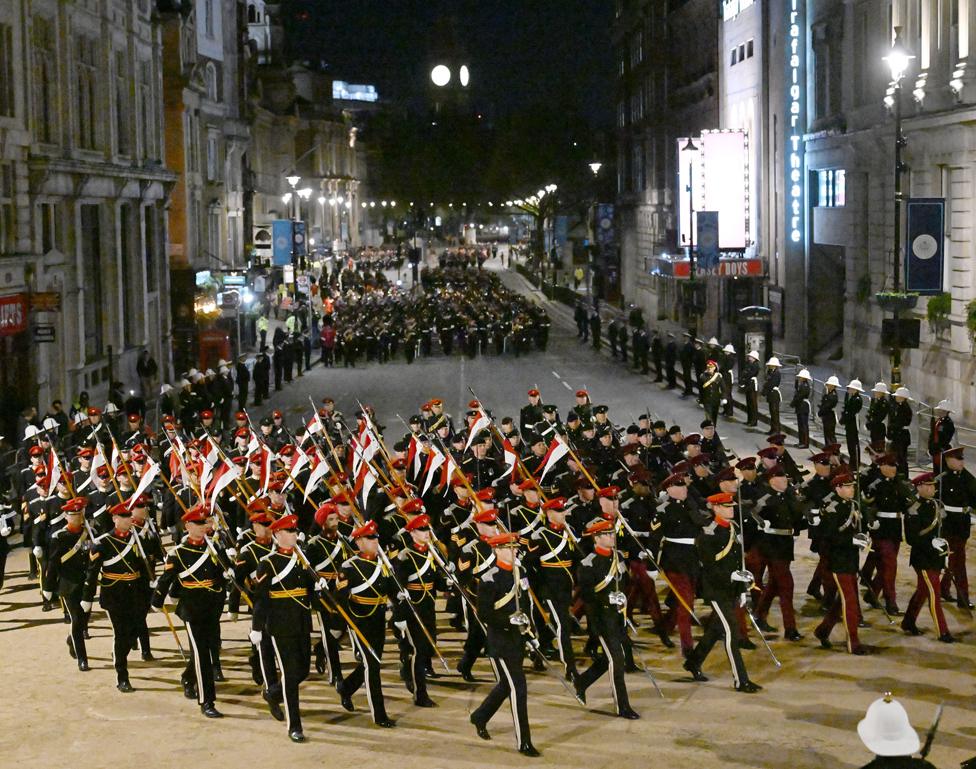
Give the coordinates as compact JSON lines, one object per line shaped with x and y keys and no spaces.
{"x":724,"y":584}
{"x":499,"y":608}
{"x":66,"y":571}
{"x":366,"y":586}
{"x":957,"y":492}
{"x":193,"y":573}
{"x":326,"y":552}
{"x":599,"y":577}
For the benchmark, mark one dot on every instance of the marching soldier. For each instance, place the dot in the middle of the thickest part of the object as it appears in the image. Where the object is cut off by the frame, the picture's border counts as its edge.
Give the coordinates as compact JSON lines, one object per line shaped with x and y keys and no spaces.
{"x":599,"y":576}
{"x":899,"y":427}
{"x":327,"y":551}
{"x":772,"y":394}
{"x":283,"y":592}
{"x":750,"y":383}
{"x":889,"y":496}
{"x":710,"y":387}
{"x":499,"y":608}
{"x":840,"y":532}
{"x":826,"y":411}
{"x":66,"y":572}
{"x":853,"y":403}
{"x":670,"y":358}
{"x":877,"y":417}
{"x":923,"y":532}
{"x":531,"y":413}
{"x":475,"y":558}
{"x":957,"y":492}
{"x":724,"y":584}
{"x":801,"y":407}
{"x":367,"y":586}
{"x":252,"y":550}
{"x":193,"y":575}
{"x":118,"y":568}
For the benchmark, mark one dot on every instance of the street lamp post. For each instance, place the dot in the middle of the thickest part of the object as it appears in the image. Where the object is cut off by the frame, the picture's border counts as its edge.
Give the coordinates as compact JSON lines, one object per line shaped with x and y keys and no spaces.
{"x":898,"y":60}
{"x":691,"y":306}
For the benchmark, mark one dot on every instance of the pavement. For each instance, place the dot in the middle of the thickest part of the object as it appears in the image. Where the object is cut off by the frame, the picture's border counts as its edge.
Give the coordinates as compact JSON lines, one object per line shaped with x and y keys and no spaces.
{"x":805,"y":717}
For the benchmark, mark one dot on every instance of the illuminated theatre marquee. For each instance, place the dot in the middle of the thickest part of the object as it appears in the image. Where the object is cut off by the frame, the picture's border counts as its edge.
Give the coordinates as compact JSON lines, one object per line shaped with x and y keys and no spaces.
{"x":796,"y":125}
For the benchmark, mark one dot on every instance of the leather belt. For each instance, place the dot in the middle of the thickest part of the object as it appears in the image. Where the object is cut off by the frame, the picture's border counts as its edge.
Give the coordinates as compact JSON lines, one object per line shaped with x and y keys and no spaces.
{"x":951,"y":509}
{"x":367,"y":601}
{"x":779,"y":532}
{"x":887,"y":514}
{"x":298,"y":592}
{"x":680,"y":540}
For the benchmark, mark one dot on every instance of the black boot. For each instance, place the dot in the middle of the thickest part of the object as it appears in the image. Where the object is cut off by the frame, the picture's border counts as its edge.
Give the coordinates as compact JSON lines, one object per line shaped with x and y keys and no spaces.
{"x":208,"y":709}
{"x":319,"y":658}
{"x":695,"y":669}
{"x":528,"y":749}
{"x":480,"y":728}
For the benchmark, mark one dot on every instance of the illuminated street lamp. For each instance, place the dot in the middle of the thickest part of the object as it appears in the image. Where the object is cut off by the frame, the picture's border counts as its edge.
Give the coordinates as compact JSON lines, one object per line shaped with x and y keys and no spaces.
{"x":595,"y":167}
{"x":899,"y":59}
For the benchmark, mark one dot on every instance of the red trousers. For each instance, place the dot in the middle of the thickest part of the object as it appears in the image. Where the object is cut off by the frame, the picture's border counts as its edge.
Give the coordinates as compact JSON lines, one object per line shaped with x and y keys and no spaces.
{"x":927,"y":589}
{"x":887,"y":565}
{"x":844,"y":606}
{"x":956,"y":568}
{"x":677,"y":614}
{"x":643,"y":592}
{"x":780,"y":585}
{"x":756,"y":563}
{"x":821,"y":576}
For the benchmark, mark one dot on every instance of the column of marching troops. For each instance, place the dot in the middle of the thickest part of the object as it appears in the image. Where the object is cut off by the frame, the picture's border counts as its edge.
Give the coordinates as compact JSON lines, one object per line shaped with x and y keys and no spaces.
{"x":536,"y":529}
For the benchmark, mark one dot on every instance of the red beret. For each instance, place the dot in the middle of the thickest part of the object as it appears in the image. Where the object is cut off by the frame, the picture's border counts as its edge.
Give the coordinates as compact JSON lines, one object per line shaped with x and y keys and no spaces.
{"x":582,"y":394}
{"x":918,"y":480}
{"x":823,"y":458}
{"x":285,"y":522}
{"x":86,"y":453}
{"x":598,"y":527}
{"x":842,"y":479}
{"x":420,"y":522}
{"x":556,"y":503}
{"x":324,"y":512}
{"x":239,"y":460}
{"x":474,"y":405}
{"x":488,"y":515}
{"x":725,"y":474}
{"x":342,"y":498}
{"x":746,"y":463}
{"x":527,"y":484}
{"x":768,"y":453}
{"x":954,"y":453}
{"x":776,"y":440}
{"x":196,"y":514}
{"x":240,"y":416}
{"x":103,"y":472}
{"x":534,"y":393}
{"x":276,"y":486}
{"x":458,"y":480}
{"x":94,"y":411}
{"x":483,"y":495}
{"x":722,"y":498}
{"x":435,"y":401}
{"x":681,"y":468}
{"x":206,"y":414}
{"x":609,"y":492}
{"x":276,"y":414}
{"x":887,"y":459}
{"x":120,"y":510}
{"x":776,"y":471}
{"x":257,"y":506}
{"x":75,"y":505}
{"x":693,"y":440}
{"x":413,"y":506}
{"x":675,"y":479}
{"x":368,"y":529}
{"x":134,"y":417}
{"x":287,"y":450}
{"x":261,"y":516}
{"x":35,"y":451}
{"x":501,"y":540}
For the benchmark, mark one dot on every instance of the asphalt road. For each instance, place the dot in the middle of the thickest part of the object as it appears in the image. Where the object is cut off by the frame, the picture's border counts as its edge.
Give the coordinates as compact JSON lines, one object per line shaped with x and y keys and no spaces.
{"x":805,"y":717}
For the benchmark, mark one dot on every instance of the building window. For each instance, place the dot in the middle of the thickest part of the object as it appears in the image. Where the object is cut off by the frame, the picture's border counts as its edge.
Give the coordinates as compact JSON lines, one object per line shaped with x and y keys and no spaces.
{"x":210,"y":78}
{"x":749,"y":49}
{"x":213,"y":232}
{"x":213,"y":157}
{"x":208,"y":18}
{"x":8,"y":211}
{"x":86,"y":76}
{"x":123,"y":110}
{"x":49,"y":228}
{"x":45,"y":80}
{"x":831,"y":188}
{"x":735,"y":55}
{"x":147,"y":111}
{"x":742,"y":51}
{"x":151,"y":240}
{"x":127,"y":273}
{"x":93,"y":293}
{"x":6,"y":70}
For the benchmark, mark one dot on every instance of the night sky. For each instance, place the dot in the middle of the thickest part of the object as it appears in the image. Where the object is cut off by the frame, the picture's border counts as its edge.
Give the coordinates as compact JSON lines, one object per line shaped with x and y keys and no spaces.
{"x":522,"y":53}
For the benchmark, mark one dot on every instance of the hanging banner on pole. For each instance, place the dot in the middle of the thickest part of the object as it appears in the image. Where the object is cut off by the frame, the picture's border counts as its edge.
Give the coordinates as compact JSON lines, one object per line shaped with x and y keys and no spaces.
{"x":706,"y":240}
{"x":281,"y":242}
{"x":924,"y":245}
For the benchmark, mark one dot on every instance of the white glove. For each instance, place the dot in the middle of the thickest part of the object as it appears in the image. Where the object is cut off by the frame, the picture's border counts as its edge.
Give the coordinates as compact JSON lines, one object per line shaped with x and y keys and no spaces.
{"x":644,"y":555}
{"x":85,"y":606}
{"x":321,"y":584}
{"x":401,"y":625}
{"x":38,"y":551}
{"x":301,"y":536}
{"x":653,"y":574}
{"x":519,"y":619}
{"x":256,"y":636}
{"x":743,"y":575}
{"x":742,"y":600}
{"x":152,"y":585}
{"x":5,"y":531}
{"x":231,"y":552}
{"x":337,"y":634}
{"x":617,"y":598}
{"x":874,"y":525}
{"x":940,"y":545}
{"x":402,"y":595}
{"x":451,"y":568}
{"x":861,"y":540}
{"x":229,"y":575}
{"x":533,"y":644}
{"x":524,"y":583}
{"x":47,"y":595}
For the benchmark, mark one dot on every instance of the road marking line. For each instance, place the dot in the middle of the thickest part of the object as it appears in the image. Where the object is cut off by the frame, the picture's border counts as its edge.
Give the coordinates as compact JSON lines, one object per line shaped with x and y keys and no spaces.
{"x":555,"y":374}
{"x":566,"y":385}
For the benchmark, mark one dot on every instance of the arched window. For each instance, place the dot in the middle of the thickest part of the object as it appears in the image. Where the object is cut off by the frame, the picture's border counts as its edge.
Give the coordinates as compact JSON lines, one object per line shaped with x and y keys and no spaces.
{"x":210,"y":80}
{"x":252,"y":14}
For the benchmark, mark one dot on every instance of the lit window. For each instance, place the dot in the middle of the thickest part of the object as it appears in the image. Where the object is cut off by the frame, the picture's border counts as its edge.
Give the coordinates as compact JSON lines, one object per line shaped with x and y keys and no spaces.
{"x":831,"y":188}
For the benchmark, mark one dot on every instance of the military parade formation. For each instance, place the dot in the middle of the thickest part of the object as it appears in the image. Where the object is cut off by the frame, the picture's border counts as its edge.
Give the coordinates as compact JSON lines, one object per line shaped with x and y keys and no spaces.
{"x":541,"y":535}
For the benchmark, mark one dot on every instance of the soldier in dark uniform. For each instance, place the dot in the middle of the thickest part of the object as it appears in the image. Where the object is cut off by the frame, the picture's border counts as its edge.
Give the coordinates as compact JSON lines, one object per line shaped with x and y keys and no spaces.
{"x":840,"y":533}
{"x":727,"y":369}
{"x":595,"y":324}
{"x":815,"y":493}
{"x":366,"y":586}
{"x":531,"y":413}
{"x":853,"y":403}
{"x":801,"y":407}
{"x":899,"y":427}
{"x":679,"y":522}
{"x":474,"y":558}
{"x":326,"y":552}
{"x":500,"y":610}
{"x":889,"y":496}
{"x":641,"y":345}
{"x":686,"y":357}
{"x":551,"y":562}
{"x":262,"y":376}
{"x":622,"y":339}
{"x":283,"y":591}
{"x":196,"y":579}
{"x":416,"y":573}
{"x":251,"y":550}
{"x":750,"y":384}
{"x":657,"y":353}
{"x":242,"y":375}
{"x":599,"y":577}
{"x":957,"y":492}
{"x":877,"y":416}
{"x":118,"y":568}
{"x":826,"y":411}
{"x":780,"y":514}
{"x":67,"y":569}
{"x":923,"y":532}
{"x":724,"y":584}
{"x":710,"y":388}
{"x":942,"y":432}
{"x":670,"y":359}
{"x":772,"y":394}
